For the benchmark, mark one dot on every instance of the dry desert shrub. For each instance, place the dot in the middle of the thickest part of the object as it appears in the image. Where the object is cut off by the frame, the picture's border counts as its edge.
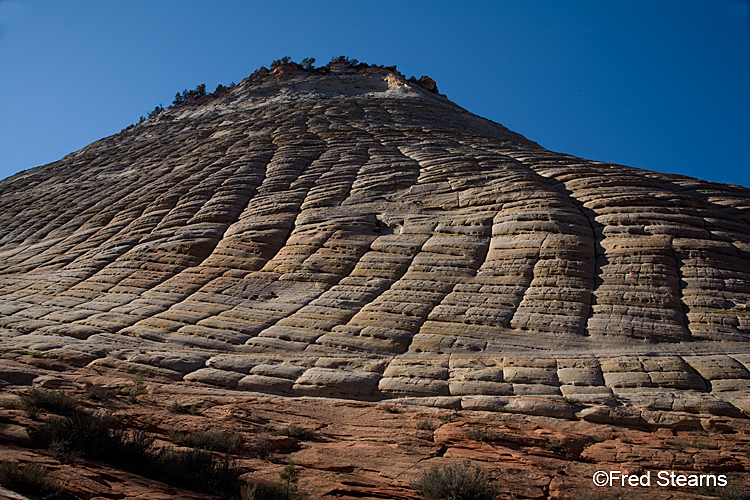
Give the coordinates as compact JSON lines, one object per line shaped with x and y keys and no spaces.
{"x":457,"y":482}
{"x":31,"y":479}
{"x":224,"y":441}
{"x":298,"y":432}
{"x":47,"y":399}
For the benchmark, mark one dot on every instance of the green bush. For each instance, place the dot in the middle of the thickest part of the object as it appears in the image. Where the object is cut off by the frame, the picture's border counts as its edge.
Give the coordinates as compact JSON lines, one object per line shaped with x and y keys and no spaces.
{"x":198,"y":470}
{"x":308,"y":63}
{"x":227,"y":442}
{"x":298,"y":432}
{"x":425,"y":425}
{"x":483,"y":434}
{"x":32,"y":479}
{"x":286,"y":490}
{"x":278,"y":62}
{"x":262,"y":491}
{"x":557,"y":447}
{"x":81,"y":430}
{"x":343,"y":59}
{"x":190,"y":95}
{"x":290,"y":475}
{"x":456,"y":482}
{"x":48,"y":399}
{"x":728,"y":492}
{"x":158,"y":109}
{"x":139,"y":386}
{"x":98,"y":437}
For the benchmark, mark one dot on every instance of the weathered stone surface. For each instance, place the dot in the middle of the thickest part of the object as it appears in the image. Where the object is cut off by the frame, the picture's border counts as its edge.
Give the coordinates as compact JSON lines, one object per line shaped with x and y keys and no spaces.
{"x":345,"y":232}
{"x":331,"y":382}
{"x":213,"y":376}
{"x":528,"y":406}
{"x":10,"y":376}
{"x":379,"y":450}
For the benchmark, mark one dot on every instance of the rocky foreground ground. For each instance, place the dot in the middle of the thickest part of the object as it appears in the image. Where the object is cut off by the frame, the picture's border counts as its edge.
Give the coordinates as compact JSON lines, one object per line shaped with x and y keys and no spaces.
{"x":379,"y":450}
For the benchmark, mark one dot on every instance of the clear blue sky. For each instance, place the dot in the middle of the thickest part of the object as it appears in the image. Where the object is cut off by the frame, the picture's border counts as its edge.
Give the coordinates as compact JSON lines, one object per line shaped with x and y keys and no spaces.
{"x":663,"y":85}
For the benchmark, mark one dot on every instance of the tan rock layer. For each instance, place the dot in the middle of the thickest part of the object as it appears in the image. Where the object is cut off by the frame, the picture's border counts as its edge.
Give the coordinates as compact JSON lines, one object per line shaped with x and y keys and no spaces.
{"x":347,"y":233}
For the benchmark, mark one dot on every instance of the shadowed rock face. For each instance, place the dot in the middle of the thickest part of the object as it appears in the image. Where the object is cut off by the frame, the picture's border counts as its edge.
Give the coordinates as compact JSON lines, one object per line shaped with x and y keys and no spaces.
{"x":348,"y":233}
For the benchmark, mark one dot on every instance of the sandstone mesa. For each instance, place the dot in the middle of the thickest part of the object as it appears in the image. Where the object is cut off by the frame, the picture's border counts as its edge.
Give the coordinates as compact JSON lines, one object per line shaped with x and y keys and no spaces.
{"x":348,"y":233}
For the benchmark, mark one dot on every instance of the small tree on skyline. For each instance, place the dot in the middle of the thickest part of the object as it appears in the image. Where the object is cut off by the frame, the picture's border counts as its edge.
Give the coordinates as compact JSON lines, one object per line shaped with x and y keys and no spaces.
{"x":278,"y":62}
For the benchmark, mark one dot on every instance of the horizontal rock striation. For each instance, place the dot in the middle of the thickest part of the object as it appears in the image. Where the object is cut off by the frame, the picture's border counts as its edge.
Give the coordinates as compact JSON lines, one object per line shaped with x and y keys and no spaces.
{"x":344,"y":232}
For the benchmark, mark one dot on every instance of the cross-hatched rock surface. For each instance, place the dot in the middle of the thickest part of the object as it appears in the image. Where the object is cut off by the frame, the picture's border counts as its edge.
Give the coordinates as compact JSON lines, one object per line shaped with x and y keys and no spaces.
{"x":345,"y":232}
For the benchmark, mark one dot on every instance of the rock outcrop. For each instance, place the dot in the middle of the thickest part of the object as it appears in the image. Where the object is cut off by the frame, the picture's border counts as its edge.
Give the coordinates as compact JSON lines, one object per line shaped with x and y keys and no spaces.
{"x":371,"y":450}
{"x":345,"y":232}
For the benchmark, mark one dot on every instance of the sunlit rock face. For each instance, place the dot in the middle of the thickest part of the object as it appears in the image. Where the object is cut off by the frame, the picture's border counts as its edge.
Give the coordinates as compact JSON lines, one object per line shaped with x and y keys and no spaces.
{"x":345,"y":232}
